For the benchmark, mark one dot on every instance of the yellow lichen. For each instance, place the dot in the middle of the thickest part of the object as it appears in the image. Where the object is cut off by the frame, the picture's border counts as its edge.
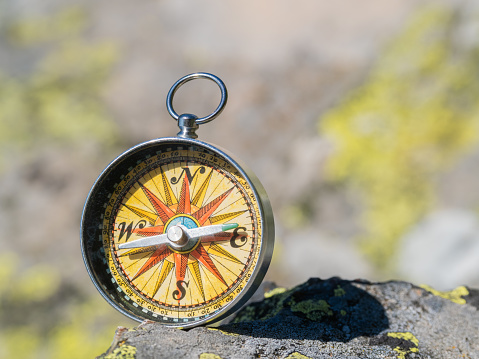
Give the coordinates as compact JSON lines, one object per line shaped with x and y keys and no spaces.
{"x":123,"y":352}
{"x":66,"y":82}
{"x":415,"y":116}
{"x":274,"y":291}
{"x":297,"y":355}
{"x":14,"y":344}
{"x":223,"y":332}
{"x":406,"y":336}
{"x":209,"y":356}
{"x":454,"y":295}
{"x":37,"y":283}
{"x":314,"y":309}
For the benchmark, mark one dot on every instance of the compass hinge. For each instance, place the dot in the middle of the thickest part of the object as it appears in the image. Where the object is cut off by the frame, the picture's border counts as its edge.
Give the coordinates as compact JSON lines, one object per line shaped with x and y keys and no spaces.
{"x":188,"y":126}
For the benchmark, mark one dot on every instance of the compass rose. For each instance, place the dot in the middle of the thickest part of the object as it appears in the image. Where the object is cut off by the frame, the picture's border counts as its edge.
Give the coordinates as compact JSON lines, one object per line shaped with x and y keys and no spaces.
{"x":180,"y":235}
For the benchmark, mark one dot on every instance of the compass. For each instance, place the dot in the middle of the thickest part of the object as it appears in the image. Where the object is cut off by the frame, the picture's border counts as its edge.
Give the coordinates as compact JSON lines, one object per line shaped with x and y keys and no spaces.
{"x":175,"y":230}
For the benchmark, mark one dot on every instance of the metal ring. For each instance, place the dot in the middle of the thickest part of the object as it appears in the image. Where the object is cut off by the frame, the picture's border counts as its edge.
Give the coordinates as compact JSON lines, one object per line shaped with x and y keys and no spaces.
{"x":193,"y":76}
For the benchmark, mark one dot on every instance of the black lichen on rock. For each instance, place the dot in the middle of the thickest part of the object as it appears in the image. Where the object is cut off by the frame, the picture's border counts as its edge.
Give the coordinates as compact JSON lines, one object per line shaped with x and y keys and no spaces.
{"x":332,"y":310}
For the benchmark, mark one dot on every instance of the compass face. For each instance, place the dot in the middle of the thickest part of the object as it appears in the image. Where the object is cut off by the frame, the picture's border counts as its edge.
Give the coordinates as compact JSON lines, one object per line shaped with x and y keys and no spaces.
{"x":174,"y":231}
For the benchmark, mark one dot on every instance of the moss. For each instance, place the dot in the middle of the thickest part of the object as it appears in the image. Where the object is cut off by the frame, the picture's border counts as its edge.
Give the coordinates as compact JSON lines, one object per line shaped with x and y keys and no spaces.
{"x":455,"y":295}
{"x":339,"y":292}
{"x":313,"y":309}
{"x":269,"y":308}
{"x":247,"y":314}
{"x":300,"y":301}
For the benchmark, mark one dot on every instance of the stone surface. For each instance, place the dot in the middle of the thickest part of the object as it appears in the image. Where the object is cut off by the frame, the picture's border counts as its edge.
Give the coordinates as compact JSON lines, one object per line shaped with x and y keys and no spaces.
{"x":331,"y":318}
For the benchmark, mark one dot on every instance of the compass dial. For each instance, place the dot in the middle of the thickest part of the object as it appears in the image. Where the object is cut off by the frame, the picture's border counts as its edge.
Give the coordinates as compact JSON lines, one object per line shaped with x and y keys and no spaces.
{"x":179,"y":234}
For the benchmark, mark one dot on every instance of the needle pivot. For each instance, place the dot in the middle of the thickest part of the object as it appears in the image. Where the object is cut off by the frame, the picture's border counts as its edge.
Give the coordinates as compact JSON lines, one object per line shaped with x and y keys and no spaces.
{"x":176,"y":235}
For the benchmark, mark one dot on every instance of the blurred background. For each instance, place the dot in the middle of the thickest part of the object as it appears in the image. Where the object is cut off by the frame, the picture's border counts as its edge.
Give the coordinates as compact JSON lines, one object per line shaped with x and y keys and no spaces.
{"x":360,"y":121}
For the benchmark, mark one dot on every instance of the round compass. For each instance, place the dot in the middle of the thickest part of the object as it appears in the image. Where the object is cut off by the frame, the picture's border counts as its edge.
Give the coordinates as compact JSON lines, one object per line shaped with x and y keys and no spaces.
{"x":176,"y":231}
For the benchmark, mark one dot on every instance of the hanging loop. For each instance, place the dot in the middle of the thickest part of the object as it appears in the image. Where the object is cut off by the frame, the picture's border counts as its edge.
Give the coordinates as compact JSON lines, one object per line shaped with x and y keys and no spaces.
{"x":193,"y":76}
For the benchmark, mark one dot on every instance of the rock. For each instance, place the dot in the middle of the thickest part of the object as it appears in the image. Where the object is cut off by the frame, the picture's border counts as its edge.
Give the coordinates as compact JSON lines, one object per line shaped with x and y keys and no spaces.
{"x":332,"y":318}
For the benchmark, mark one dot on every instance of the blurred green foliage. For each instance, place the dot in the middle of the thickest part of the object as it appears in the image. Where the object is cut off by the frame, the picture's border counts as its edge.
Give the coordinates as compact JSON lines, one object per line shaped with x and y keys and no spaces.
{"x":43,"y":318}
{"x":59,"y":98}
{"x":55,"y":101}
{"x":415,"y":115}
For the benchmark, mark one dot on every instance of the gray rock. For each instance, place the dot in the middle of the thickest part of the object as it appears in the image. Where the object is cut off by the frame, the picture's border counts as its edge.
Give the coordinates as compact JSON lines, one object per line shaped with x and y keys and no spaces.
{"x":331,"y":318}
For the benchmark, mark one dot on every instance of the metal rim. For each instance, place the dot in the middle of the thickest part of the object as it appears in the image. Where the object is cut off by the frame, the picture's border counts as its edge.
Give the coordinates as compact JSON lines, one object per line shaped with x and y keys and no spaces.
{"x":88,"y":232}
{"x":194,"y":76}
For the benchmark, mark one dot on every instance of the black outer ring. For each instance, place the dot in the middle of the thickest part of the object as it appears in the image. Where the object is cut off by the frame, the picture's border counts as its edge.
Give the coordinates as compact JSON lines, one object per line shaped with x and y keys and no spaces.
{"x":91,"y":229}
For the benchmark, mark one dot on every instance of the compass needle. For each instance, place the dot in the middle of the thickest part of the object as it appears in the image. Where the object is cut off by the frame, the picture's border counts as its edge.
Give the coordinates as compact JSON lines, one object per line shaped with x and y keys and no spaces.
{"x":146,"y":242}
{"x":177,"y":236}
{"x":174,"y":230}
{"x":209,"y":230}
